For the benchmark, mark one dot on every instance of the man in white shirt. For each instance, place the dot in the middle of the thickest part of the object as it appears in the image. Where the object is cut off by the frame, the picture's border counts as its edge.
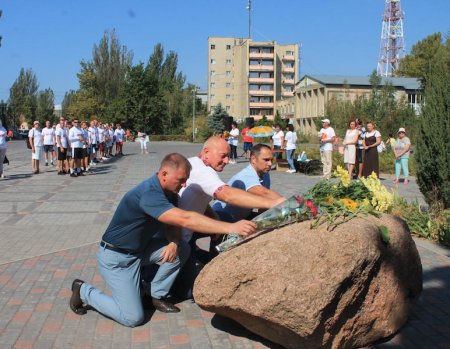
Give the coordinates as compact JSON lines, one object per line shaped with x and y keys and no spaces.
{"x":119,"y":133}
{"x":204,"y":185}
{"x":93,"y":136}
{"x":49,"y":140}
{"x":327,"y":138}
{"x":76,"y":142}
{"x":62,"y":144}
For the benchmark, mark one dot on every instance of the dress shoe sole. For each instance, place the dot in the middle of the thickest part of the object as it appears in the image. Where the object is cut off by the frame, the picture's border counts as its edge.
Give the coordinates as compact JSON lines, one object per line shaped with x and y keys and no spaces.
{"x":75,"y":300}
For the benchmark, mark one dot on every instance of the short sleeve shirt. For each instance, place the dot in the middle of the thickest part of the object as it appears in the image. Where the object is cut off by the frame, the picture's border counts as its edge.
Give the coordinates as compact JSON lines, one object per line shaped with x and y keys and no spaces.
{"x":401,"y":144}
{"x":119,"y":135}
{"x":234,"y":140}
{"x":245,"y":179}
{"x":327,"y":133}
{"x":49,"y":135}
{"x":63,"y":134}
{"x":200,"y":188}
{"x":276,"y":138}
{"x":3,"y":144}
{"x":291,"y":139}
{"x":36,"y":134}
{"x":135,"y":221}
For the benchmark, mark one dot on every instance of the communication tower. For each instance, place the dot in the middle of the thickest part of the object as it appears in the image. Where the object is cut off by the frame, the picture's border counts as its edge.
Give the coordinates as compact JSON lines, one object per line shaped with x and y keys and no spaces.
{"x":392,"y":47}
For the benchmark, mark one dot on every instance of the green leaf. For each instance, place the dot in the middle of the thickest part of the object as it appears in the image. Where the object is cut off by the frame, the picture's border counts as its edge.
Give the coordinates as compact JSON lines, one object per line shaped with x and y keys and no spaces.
{"x":384,"y":233}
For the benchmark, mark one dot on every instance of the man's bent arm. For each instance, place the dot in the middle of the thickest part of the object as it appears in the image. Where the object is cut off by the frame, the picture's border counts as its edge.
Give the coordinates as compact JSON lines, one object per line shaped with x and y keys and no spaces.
{"x":264,"y":192}
{"x":196,"y":222}
{"x":241,"y":198}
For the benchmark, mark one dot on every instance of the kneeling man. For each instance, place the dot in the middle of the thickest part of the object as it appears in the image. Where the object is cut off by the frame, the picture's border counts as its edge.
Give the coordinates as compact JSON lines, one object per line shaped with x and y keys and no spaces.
{"x":142,"y":232}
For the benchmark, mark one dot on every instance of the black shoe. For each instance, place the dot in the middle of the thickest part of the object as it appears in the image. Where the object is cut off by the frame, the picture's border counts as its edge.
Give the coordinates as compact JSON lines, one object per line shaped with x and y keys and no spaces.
{"x":80,"y":174}
{"x":164,"y":306}
{"x":46,"y":164}
{"x":73,"y":174}
{"x":76,"y":304}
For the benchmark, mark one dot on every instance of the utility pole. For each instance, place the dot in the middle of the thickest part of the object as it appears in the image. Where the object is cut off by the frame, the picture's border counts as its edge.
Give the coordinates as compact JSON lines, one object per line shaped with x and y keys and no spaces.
{"x":194,"y":94}
{"x":249,"y":8}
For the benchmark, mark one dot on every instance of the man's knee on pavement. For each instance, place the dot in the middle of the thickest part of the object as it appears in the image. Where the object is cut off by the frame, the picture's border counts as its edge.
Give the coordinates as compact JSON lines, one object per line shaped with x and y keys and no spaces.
{"x":133,"y":319}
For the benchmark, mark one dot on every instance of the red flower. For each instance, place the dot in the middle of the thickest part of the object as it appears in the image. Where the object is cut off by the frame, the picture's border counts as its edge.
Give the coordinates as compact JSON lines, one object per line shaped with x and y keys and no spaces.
{"x":312,"y":207}
{"x":299,"y":199}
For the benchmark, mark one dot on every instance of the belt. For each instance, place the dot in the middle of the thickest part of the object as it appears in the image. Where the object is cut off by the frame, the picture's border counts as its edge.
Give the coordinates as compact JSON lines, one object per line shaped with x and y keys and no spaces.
{"x":115,"y":248}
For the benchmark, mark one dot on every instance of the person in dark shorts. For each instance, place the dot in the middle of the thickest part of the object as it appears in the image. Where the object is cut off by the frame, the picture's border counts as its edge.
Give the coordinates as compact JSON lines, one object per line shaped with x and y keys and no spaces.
{"x":76,"y":141}
{"x":62,"y":144}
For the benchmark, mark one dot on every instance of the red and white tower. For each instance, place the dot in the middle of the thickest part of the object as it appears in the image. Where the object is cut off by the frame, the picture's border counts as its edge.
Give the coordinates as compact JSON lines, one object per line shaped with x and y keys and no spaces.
{"x":392,"y":47}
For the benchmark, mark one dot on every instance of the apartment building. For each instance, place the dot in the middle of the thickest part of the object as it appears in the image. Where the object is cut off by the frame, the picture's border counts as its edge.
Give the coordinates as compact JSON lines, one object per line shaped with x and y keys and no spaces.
{"x":249,"y":78}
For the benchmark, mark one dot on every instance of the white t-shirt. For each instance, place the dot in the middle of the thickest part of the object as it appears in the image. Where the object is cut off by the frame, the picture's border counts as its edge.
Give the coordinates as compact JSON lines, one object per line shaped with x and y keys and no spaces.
{"x":276,"y":138}
{"x":62,"y":132}
{"x":373,"y":133}
{"x":49,"y":135}
{"x":327,"y":133}
{"x":291,"y":140}
{"x":234,"y":139}
{"x":119,"y":134}
{"x":3,"y":134}
{"x":200,"y":188}
{"x":101,"y":135}
{"x":74,"y":137}
{"x":37,"y":135}
{"x":93,"y":135}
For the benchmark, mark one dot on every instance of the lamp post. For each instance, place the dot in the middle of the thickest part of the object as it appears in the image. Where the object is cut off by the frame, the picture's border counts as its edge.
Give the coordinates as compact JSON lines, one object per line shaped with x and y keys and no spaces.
{"x":194,"y":93}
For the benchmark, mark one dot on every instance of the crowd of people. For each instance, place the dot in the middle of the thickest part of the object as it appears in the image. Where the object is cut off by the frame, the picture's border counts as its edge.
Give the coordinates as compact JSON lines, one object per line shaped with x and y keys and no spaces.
{"x":361,"y":147}
{"x":73,"y":147}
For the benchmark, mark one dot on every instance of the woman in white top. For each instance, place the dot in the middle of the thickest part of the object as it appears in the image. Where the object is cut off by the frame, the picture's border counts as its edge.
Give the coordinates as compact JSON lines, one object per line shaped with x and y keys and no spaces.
{"x":3,"y":147}
{"x":143,"y":139}
{"x":36,"y":140}
{"x":290,"y":146}
{"x":278,"y":140}
{"x":233,"y":140}
{"x":350,"y":140}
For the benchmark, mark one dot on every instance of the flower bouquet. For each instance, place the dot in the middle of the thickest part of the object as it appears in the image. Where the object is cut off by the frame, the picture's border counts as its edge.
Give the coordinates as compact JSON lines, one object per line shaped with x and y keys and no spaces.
{"x":294,"y":209}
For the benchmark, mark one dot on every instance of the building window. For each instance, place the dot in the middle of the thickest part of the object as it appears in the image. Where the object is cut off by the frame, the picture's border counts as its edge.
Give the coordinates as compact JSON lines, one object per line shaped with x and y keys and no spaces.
{"x":228,"y":84}
{"x":228,"y":61}
{"x":211,"y":97}
{"x":213,"y":61}
{"x":213,"y":72}
{"x":227,"y":96}
{"x":213,"y":47}
{"x":228,"y":108}
{"x":289,"y":53}
{"x":228,"y":47}
{"x":212,"y":85}
{"x":228,"y":73}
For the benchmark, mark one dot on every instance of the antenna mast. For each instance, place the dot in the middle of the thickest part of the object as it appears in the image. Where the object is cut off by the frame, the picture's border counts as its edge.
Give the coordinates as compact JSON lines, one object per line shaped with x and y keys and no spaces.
{"x":249,"y":8}
{"x":392,"y":46}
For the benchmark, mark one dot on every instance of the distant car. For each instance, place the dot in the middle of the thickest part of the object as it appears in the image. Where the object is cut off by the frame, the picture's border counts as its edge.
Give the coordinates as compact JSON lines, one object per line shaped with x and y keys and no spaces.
{"x":23,"y":133}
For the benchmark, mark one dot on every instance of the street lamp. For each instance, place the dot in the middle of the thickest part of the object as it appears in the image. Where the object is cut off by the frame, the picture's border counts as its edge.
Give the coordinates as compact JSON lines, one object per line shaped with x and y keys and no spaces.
{"x":194,"y":94}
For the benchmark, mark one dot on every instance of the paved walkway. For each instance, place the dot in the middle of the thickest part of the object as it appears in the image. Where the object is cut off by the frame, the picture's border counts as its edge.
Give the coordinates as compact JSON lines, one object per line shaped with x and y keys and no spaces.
{"x":49,"y":229}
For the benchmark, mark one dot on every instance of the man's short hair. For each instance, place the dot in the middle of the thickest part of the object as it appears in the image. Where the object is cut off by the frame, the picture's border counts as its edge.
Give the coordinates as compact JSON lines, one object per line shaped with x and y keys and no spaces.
{"x":257,"y":149}
{"x":175,"y":161}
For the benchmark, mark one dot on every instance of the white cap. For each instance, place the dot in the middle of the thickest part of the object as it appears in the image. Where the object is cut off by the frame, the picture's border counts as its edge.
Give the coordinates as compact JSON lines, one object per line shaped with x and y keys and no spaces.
{"x":327,"y":121}
{"x":401,"y":129}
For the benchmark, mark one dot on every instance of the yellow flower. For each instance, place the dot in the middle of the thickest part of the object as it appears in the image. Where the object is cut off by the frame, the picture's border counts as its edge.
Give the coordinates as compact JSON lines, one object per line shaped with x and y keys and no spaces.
{"x":352,"y":205}
{"x":343,"y":176}
{"x":381,"y":199}
{"x":329,"y":200}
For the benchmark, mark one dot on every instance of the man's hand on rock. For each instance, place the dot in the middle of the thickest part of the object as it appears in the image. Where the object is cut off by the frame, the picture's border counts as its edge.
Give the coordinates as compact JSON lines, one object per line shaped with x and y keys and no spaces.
{"x":243,"y":228}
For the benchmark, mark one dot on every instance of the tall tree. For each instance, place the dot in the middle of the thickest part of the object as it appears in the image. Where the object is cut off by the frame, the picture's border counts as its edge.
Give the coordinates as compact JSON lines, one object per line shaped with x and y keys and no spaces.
{"x":433,"y":143}
{"x":216,"y":118}
{"x":23,"y":97}
{"x":45,"y":105}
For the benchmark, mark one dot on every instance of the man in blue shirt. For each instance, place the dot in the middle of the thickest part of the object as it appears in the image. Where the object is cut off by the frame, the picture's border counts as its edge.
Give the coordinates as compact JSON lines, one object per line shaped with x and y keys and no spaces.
{"x":254,"y":179}
{"x":145,"y":229}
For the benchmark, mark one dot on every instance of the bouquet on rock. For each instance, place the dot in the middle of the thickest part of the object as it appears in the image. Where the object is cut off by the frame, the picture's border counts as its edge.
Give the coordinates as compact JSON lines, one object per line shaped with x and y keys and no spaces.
{"x":294,"y":209}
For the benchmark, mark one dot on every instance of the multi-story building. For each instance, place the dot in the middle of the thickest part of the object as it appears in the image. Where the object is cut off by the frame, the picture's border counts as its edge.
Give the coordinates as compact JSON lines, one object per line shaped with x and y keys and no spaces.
{"x":313,"y":92}
{"x":249,"y":78}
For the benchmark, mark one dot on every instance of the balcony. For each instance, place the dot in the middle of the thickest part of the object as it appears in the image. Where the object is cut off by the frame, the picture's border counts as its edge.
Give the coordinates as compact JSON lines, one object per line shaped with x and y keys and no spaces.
{"x":261,"y":55}
{"x":260,"y":93}
{"x":288,"y":58}
{"x":288,"y":70}
{"x":261,"y":104}
{"x":259,"y":117}
{"x":287,"y":93}
{"x":261,"y":80}
{"x":261,"y":67}
{"x":288,"y":82}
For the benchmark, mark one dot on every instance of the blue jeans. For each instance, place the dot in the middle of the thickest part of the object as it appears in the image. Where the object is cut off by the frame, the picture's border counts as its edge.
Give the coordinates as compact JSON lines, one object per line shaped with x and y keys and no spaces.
{"x":290,"y":158}
{"x":401,"y":164}
{"x":122,"y":274}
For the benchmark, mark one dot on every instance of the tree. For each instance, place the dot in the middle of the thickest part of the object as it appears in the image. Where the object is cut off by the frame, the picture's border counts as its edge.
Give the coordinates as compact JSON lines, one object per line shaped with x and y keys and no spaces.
{"x":417,"y":62}
{"x":215,"y":119}
{"x":433,"y":143}
{"x":23,"y":97}
{"x":45,"y":105}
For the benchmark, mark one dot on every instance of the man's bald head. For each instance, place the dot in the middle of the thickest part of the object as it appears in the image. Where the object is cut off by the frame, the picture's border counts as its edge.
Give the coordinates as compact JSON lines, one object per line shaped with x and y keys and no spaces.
{"x":215,"y":153}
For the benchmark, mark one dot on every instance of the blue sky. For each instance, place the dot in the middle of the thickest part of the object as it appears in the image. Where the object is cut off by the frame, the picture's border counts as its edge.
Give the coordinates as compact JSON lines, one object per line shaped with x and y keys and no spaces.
{"x":338,"y":36}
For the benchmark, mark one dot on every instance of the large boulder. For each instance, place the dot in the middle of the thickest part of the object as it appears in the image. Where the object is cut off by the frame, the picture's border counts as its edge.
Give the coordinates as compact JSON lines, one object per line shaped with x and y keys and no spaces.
{"x":313,"y":288}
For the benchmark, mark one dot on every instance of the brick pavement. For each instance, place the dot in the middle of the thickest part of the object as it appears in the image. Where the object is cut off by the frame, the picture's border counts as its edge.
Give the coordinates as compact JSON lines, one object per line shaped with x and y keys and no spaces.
{"x":43,"y":249}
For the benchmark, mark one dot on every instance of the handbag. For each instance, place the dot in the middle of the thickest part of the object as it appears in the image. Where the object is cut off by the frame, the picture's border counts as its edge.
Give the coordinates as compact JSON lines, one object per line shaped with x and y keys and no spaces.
{"x":27,"y":141}
{"x":381,"y":147}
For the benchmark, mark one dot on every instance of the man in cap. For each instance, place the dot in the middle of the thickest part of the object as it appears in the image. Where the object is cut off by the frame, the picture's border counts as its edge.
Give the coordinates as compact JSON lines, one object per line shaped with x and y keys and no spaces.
{"x":327,"y":138}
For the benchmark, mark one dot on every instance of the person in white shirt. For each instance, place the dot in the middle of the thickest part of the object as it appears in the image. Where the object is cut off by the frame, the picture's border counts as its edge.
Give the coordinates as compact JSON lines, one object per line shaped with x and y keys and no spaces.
{"x":327,"y":138}
{"x":290,"y":146}
{"x":93,"y":135}
{"x":76,"y":142}
{"x":36,"y":140}
{"x":233,"y":140}
{"x":277,"y":140}
{"x":204,"y":185}
{"x":49,"y":140}
{"x":62,"y":144}
{"x":101,"y":141}
{"x":3,"y":148}
{"x":119,"y":133}
{"x":111,"y":139}
{"x":86,"y":147}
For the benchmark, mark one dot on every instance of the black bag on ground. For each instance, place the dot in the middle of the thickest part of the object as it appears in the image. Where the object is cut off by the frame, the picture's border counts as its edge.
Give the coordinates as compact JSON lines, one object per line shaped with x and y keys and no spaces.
{"x":27,"y":141}
{"x":5,"y":160}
